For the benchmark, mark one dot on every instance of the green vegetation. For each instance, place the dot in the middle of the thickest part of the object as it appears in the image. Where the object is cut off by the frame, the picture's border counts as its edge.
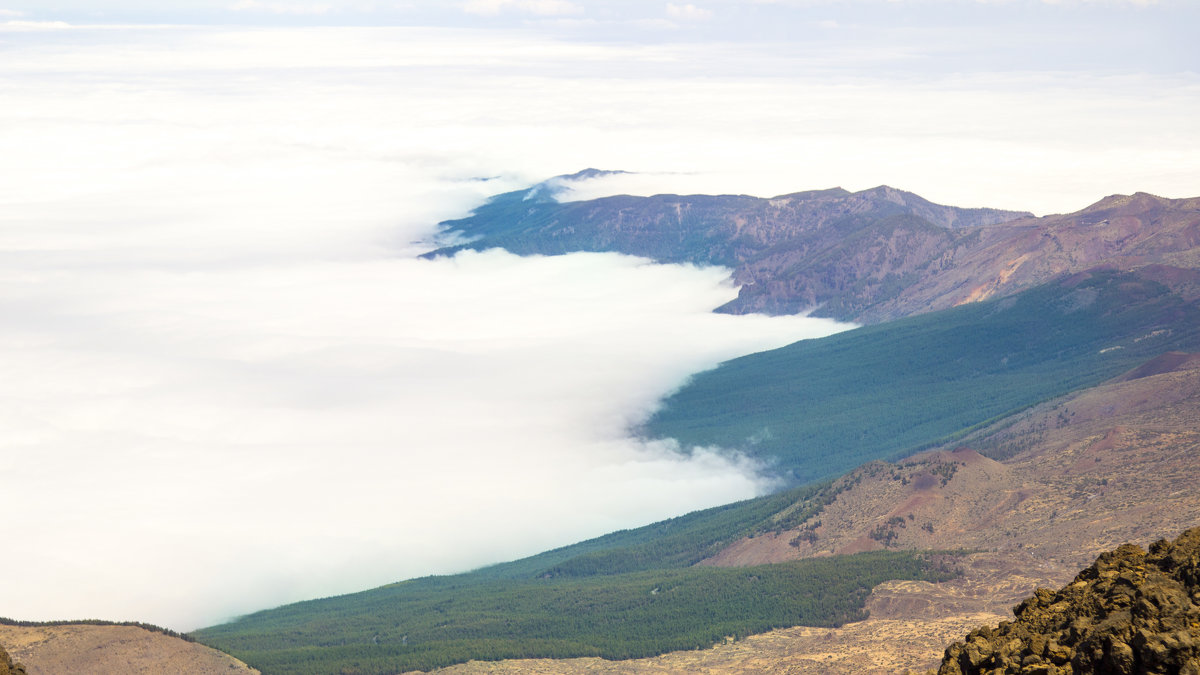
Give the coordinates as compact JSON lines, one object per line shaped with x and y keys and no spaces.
{"x":818,"y":408}
{"x":432,"y":622}
{"x":526,"y":225}
{"x":678,"y":542}
{"x":5,"y":621}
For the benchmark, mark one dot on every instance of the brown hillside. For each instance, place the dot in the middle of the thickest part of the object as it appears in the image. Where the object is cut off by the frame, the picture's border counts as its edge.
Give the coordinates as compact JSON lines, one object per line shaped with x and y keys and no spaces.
{"x":112,"y":650}
{"x":1122,"y":231}
{"x":865,"y":256}
{"x":1063,"y":482}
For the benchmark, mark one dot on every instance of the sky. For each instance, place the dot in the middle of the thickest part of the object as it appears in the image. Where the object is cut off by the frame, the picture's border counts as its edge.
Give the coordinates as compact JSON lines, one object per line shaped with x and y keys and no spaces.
{"x":227,"y":382}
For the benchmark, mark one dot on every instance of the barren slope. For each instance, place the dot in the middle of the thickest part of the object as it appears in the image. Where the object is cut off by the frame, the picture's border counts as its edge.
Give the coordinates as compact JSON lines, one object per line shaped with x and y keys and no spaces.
{"x":111,"y":650}
{"x":1123,"y":231}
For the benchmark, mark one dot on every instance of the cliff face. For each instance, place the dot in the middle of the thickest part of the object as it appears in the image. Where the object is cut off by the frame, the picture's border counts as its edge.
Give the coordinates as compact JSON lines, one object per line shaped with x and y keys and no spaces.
{"x":1130,"y":612}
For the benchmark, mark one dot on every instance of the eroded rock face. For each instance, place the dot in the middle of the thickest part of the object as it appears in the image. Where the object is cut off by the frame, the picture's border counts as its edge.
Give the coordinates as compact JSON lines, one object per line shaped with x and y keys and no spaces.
{"x":1130,"y":612}
{"x":7,"y":667}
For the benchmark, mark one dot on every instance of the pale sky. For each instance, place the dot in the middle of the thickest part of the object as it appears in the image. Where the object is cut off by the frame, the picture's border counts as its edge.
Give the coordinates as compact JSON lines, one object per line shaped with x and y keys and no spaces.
{"x":225,"y":381}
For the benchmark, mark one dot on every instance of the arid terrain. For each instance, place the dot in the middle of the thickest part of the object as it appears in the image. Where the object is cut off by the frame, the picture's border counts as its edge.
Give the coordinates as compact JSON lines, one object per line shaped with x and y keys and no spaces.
{"x":111,"y":650}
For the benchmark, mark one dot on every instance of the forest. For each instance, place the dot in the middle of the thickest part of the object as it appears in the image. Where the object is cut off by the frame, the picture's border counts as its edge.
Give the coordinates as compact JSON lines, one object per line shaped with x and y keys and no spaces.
{"x":818,"y":408}
{"x":436,"y":621}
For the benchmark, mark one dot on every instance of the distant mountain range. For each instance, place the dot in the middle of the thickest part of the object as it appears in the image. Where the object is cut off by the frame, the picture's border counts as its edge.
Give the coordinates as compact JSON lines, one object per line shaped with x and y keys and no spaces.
{"x":866,"y":256}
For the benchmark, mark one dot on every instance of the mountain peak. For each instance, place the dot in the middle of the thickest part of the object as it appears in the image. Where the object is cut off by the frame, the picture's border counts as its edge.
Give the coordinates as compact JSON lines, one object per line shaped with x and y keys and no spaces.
{"x":1137,"y":202}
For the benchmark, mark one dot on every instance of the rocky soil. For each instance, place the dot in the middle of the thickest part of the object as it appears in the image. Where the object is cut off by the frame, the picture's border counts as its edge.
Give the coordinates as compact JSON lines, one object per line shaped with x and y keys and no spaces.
{"x":111,"y":650}
{"x":1130,"y":612}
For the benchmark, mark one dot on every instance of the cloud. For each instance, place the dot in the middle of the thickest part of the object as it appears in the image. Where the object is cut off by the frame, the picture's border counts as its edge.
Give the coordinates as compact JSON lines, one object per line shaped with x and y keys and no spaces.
{"x":281,"y":7}
{"x":229,"y":384}
{"x":34,"y":25}
{"x":688,"y":12}
{"x":535,"y":7}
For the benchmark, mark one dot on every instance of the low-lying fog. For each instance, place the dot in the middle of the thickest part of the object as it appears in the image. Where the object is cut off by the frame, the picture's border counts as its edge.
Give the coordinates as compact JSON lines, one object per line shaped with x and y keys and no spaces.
{"x":226,"y":381}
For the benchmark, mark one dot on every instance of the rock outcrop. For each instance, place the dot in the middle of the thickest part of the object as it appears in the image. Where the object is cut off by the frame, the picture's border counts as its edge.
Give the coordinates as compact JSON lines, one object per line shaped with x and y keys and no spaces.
{"x":7,"y":667}
{"x":1130,"y":612}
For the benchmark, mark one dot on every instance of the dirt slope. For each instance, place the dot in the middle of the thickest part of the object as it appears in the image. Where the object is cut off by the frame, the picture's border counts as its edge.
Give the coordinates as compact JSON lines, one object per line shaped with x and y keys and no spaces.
{"x":111,"y":650}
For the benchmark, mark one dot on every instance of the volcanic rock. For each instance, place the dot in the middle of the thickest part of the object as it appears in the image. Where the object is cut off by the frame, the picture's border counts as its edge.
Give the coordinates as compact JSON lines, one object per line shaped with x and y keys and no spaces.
{"x":1130,"y":612}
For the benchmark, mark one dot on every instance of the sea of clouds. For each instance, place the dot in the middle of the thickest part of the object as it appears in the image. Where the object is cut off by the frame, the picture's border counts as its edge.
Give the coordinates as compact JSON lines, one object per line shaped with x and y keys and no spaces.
{"x":226,"y":381}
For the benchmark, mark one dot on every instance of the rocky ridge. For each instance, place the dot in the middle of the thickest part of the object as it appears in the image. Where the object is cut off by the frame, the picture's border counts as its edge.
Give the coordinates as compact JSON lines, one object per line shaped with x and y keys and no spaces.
{"x":1129,"y":612}
{"x":868,"y":256}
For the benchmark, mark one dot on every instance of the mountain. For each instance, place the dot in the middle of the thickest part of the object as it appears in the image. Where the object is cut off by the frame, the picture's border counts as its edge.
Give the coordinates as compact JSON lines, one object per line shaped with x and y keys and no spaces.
{"x":1031,"y":499}
{"x":1061,"y":481}
{"x":1125,"y":232}
{"x":868,"y":256}
{"x":1036,"y":495}
{"x":1129,"y":612}
{"x":835,"y":249}
{"x":1045,"y":402}
{"x":1045,"y":372}
{"x":997,"y":360}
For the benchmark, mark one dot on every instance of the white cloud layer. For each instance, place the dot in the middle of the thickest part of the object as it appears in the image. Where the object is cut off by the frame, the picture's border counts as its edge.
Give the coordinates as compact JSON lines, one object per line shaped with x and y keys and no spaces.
{"x":535,"y":7}
{"x":688,"y":12}
{"x":281,"y":7}
{"x":227,"y":384}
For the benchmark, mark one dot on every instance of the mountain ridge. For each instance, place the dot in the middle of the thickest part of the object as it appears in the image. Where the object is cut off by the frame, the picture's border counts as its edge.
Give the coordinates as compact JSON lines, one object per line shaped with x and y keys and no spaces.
{"x":868,"y":256}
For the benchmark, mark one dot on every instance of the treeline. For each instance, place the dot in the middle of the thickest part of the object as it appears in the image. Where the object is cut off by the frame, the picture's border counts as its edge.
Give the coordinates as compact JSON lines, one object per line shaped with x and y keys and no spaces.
{"x":438,"y":621}
{"x":685,"y":541}
{"x":97,"y":622}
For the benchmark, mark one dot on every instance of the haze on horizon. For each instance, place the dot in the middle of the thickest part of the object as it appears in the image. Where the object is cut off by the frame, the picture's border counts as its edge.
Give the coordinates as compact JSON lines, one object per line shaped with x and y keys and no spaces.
{"x":229,"y":384}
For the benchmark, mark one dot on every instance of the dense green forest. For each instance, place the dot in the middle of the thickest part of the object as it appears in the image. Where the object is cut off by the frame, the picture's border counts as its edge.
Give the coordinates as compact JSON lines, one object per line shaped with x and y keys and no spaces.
{"x":436,"y":621}
{"x":677,"y":542}
{"x":818,"y":408}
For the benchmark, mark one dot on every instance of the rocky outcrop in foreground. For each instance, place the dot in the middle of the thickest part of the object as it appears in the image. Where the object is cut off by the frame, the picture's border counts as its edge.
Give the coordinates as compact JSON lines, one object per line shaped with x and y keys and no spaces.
{"x":7,"y":667}
{"x":1130,"y":612}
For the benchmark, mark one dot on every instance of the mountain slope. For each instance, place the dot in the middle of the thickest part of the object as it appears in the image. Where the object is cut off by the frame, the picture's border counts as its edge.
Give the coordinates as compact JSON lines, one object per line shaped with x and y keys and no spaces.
{"x":818,"y":408}
{"x":504,"y":611}
{"x":1041,"y":510}
{"x":98,"y":649}
{"x":1061,"y":481}
{"x":868,"y":256}
{"x":841,"y":250}
{"x":1126,"y":232}
{"x":434,"y":622}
